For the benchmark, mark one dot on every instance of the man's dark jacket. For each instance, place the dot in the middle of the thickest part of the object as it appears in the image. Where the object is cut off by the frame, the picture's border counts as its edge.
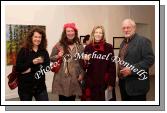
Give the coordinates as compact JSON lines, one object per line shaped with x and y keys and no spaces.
{"x":141,"y":56}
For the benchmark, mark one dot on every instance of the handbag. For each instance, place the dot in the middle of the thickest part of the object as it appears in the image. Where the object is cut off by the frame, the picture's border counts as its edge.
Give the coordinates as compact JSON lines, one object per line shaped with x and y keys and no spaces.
{"x":55,"y":67}
{"x":12,"y":78}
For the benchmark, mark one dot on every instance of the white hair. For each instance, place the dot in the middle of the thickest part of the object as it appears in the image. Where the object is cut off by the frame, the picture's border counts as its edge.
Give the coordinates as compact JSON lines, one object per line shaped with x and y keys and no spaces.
{"x":132,"y":22}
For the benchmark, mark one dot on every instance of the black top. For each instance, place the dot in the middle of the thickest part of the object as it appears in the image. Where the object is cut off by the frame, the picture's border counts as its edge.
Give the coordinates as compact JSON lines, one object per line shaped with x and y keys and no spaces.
{"x":28,"y":82}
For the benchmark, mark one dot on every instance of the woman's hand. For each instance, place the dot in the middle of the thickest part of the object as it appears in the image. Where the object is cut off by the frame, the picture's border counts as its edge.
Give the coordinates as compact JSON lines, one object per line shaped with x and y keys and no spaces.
{"x":87,"y":56}
{"x":35,"y":61}
{"x":80,"y":77}
{"x":110,"y":88}
{"x":60,"y":54}
{"x":38,"y":60}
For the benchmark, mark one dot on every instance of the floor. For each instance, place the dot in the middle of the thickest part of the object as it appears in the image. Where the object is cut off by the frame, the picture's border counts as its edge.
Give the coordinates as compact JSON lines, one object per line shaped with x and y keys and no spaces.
{"x":150,"y":95}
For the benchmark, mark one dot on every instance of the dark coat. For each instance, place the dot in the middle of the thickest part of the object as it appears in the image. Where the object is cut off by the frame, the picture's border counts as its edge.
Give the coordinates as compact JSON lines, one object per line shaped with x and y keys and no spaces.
{"x":27,"y":82}
{"x":141,"y":56}
{"x":100,"y":72}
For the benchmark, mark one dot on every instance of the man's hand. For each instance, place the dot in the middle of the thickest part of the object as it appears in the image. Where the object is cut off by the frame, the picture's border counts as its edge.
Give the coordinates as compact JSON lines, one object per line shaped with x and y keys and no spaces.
{"x":126,"y":71}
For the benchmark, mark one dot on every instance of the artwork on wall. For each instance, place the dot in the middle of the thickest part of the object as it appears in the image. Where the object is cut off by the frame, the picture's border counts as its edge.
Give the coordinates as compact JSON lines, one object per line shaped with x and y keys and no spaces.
{"x":117,"y":42}
{"x":15,"y":36}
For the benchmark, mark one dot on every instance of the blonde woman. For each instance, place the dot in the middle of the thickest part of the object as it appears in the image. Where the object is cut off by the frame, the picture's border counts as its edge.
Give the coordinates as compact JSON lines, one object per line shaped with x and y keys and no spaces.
{"x":101,"y":71}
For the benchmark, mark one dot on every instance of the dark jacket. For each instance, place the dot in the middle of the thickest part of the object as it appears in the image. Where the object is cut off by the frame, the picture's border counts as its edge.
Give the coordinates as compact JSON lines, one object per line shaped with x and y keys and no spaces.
{"x":141,"y":56}
{"x":28,"y":82}
{"x":100,"y":72}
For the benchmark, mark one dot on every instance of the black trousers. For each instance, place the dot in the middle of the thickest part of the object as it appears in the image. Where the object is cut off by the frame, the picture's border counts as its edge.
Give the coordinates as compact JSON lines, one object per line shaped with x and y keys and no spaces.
{"x":64,"y":98}
{"x":126,"y":97}
{"x":39,"y":96}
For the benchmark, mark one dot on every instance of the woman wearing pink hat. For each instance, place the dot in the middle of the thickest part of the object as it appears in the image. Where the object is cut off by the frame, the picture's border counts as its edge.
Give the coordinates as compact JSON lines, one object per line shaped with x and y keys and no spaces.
{"x":66,"y":82}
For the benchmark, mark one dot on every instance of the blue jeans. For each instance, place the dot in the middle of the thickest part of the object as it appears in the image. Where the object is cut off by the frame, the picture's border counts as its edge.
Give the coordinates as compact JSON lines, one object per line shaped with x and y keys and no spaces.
{"x":39,"y":96}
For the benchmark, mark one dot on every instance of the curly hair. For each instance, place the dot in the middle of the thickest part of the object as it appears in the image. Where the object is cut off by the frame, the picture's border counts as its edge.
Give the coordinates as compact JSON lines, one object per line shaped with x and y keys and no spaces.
{"x":28,"y":42}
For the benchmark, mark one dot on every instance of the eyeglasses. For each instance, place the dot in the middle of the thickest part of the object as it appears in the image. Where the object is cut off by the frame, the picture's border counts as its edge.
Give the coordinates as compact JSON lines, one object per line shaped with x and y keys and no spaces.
{"x":128,"y":27}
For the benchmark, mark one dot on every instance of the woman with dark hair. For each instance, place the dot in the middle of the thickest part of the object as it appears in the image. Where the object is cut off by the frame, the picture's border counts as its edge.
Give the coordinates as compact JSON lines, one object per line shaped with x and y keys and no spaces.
{"x":66,"y":83}
{"x":101,"y":71}
{"x":33,"y":57}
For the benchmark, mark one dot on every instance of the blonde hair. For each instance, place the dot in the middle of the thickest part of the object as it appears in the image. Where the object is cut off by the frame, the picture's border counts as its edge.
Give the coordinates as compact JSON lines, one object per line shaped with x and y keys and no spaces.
{"x":93,"y":31}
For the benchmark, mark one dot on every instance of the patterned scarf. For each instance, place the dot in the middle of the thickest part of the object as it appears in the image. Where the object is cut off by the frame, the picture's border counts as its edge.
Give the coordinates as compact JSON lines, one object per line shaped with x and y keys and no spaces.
{"x":122,"y":54}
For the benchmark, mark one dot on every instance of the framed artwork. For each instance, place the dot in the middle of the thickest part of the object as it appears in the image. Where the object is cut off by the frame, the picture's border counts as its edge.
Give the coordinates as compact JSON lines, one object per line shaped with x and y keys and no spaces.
{"x":15,"y":36}
{"x":117,"y":42}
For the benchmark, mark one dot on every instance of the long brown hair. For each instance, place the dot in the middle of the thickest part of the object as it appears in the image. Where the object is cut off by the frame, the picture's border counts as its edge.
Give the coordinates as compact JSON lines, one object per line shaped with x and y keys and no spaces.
{"x":28,"y":42}
{"x":63,"y":40}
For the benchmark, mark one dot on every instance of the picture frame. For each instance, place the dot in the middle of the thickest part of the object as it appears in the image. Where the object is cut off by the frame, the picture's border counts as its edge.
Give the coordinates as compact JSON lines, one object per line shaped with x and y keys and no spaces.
{"x":117,"y":42}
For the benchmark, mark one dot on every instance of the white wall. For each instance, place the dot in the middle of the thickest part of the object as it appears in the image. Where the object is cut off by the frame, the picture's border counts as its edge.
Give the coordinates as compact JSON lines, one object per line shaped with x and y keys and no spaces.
{"x":85,"y":17}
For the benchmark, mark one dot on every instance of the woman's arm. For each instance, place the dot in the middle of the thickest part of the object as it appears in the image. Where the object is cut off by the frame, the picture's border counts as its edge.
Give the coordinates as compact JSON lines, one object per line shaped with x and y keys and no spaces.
{"x":23,"y":62}
{"x":46,"y":59}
